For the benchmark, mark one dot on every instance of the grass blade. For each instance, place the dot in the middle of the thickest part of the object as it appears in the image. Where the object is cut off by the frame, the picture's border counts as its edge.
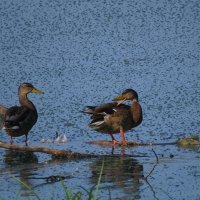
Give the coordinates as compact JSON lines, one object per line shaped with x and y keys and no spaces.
{"x":99,"y":180}
{"x":26,"y":186}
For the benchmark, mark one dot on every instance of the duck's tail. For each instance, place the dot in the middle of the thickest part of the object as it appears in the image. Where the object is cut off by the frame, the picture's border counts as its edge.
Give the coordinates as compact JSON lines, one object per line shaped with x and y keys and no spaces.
{"x":89,"y":109}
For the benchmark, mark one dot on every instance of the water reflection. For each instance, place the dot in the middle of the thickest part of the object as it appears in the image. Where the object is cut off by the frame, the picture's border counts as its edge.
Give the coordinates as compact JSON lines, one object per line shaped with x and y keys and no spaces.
{"x":13,"y":158}
{"x":122,"y":151}
{"x":120,"y":172}
{"x":21,"y":164}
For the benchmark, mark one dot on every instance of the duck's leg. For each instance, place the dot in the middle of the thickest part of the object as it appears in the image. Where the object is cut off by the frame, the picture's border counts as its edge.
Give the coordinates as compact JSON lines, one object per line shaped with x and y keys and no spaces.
{"x":11,"y":140}
{"x":123,"y":137}
{"x":26,"y":140}
{"x":113,"y":139}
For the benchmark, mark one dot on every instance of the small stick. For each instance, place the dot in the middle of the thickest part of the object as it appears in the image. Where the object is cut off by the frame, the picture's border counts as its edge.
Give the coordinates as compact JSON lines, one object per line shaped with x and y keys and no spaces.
{"x":153,"y":167}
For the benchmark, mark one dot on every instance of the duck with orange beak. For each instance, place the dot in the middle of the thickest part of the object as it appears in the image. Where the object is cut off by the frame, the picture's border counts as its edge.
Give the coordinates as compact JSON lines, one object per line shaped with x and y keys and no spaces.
{"x":116,"y":117}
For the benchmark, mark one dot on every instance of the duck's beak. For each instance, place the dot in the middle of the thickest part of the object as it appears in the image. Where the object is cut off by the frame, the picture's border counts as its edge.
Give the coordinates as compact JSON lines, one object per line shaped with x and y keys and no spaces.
{"x":36,"y":91}
{"x":120,"y":99}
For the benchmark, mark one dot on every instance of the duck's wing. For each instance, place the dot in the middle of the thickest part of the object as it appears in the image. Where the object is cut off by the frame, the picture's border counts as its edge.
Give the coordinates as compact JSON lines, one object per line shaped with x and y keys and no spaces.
{"x":15,"y":116}
{"x":108,"y":110}
{"x":102,"y":109}
{"x":3,"y":111}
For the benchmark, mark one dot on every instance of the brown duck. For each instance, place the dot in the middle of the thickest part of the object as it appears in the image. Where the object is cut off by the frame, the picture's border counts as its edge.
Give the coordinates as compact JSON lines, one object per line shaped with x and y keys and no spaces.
{"x":18,"y":120}
{"x":116,"y":117}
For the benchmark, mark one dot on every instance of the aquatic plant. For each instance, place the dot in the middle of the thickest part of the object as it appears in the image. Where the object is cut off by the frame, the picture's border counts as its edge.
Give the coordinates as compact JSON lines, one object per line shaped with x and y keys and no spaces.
{"x":27,"y":187}
{"x":69,"y":194}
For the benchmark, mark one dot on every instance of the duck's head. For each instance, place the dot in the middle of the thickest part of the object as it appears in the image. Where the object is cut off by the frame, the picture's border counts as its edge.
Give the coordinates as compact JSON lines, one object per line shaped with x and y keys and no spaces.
{"x":26,"y":88}
{"x":127,"y":94}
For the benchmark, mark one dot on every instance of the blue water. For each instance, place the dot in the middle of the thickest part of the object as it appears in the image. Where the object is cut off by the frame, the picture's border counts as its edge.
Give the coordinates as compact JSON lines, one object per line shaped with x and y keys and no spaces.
{"x":85,"y":53}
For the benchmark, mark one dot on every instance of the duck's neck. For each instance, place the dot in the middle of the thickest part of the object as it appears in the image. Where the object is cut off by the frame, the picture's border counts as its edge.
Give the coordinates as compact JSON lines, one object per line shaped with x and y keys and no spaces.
{"x":24,"y":101}
{"x":136,"y":111}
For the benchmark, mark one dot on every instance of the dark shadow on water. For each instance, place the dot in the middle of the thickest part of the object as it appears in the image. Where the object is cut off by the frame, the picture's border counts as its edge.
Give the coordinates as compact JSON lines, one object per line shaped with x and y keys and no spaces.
{"x":13,"y":158}
{"x":119,"y":173}
{"x":21,"y":164}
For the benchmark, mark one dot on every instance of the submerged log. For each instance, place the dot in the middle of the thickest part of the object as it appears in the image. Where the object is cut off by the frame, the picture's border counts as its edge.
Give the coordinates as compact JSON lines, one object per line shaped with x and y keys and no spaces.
{"x":189,"y":142}
{"x":54,"y":152}
{"x":192,"y":141}
{"x":128,"y":144}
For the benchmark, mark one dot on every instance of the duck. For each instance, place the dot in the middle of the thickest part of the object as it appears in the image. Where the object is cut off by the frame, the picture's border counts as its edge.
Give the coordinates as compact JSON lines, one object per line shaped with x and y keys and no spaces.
{"x":116,"y":117}
{"x":19,"y":120}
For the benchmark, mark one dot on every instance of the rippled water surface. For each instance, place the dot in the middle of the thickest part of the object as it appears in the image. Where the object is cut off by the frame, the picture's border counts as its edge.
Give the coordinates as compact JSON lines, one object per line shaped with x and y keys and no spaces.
{"x":85,"y":53}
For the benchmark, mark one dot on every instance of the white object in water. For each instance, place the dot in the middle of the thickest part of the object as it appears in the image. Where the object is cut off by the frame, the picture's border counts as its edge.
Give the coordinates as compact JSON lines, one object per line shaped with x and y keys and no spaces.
{"x":61,"y":139}
{"x":46,"y":140}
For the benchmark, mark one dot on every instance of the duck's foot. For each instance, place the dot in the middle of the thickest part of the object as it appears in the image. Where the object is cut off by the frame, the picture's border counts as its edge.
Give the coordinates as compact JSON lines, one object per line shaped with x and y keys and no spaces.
{"x":116,"y":142}
{"x":123,"y":143}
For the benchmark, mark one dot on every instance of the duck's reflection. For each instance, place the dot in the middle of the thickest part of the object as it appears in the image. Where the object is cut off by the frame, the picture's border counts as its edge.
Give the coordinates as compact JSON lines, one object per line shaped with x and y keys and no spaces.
{"x":13,"y":158}
{"x":123,"y":172}
{"x":20,"y":163}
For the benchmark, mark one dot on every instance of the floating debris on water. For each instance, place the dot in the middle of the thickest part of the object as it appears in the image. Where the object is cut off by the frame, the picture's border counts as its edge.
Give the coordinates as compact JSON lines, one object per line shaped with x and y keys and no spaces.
{"x":47,"y":140}
{"x":61,"y":139}
{"x":58,"y":139}
{"x":190,"y":141}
